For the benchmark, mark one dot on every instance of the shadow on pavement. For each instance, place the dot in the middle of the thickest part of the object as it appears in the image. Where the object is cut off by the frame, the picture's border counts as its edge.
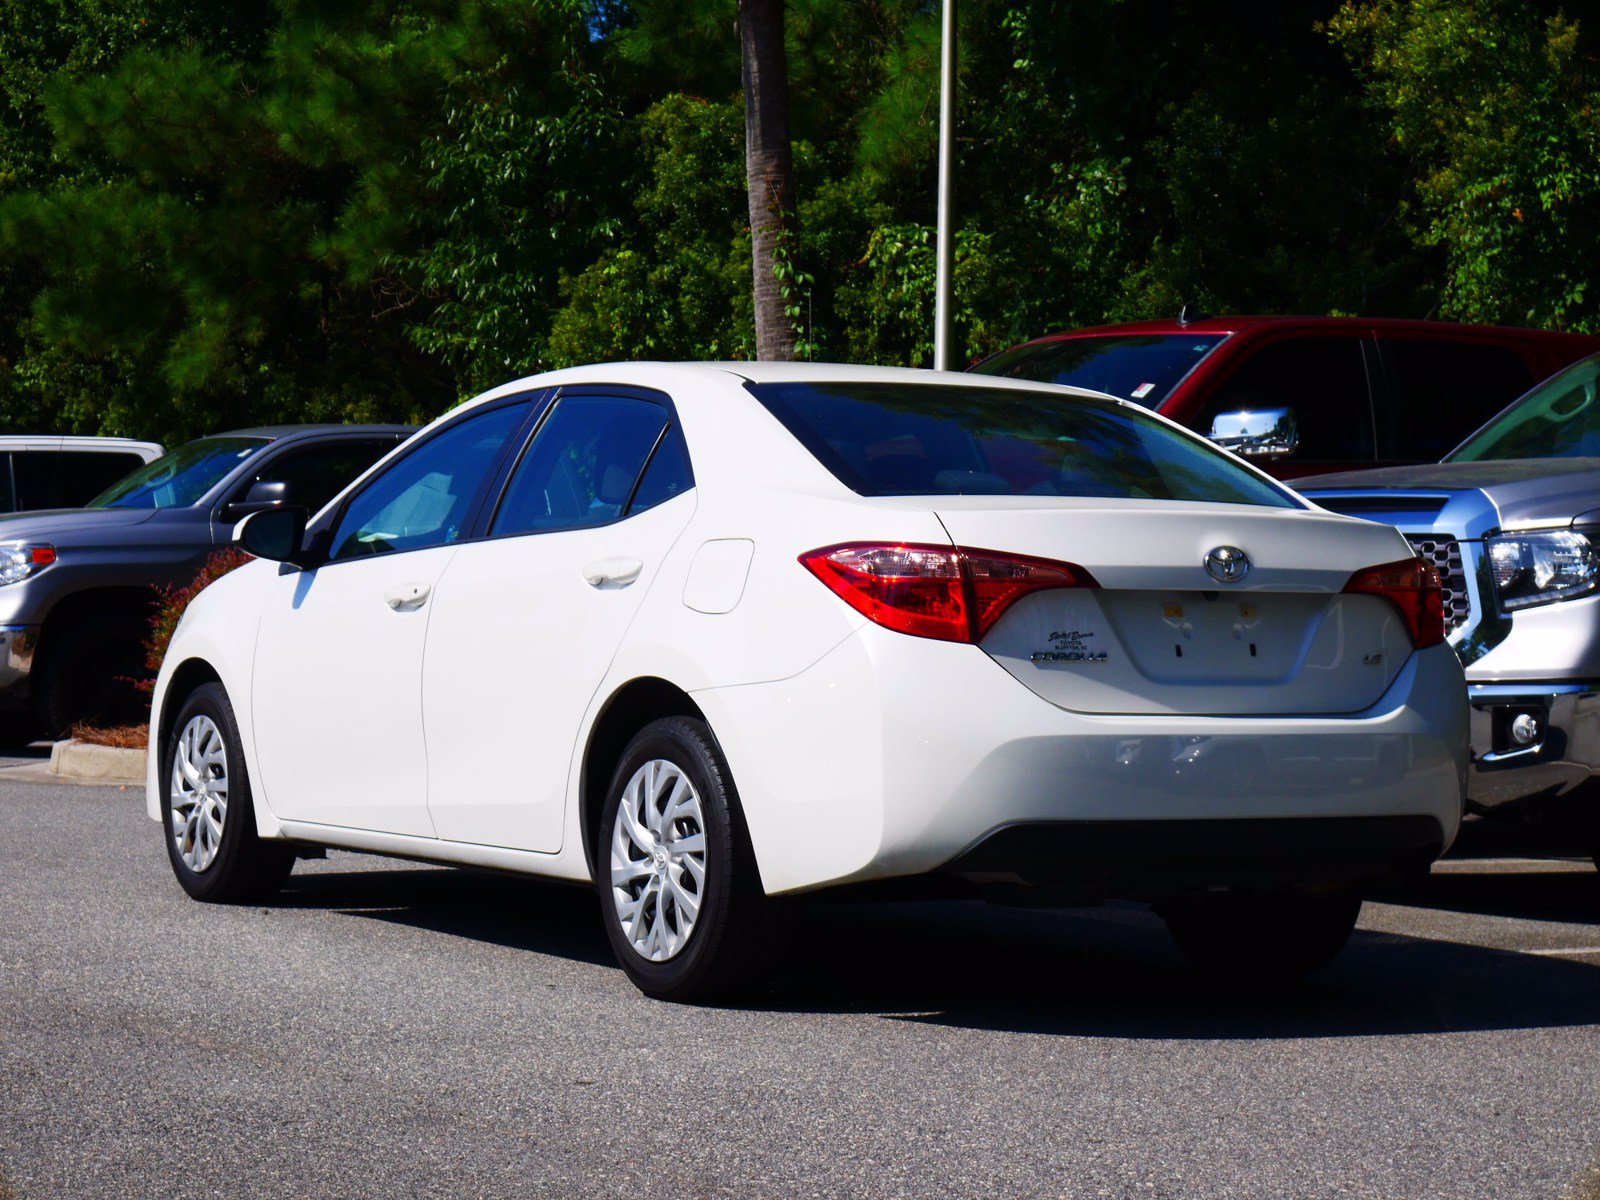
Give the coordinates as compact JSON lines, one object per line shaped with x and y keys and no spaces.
{"x":1092,"y":973}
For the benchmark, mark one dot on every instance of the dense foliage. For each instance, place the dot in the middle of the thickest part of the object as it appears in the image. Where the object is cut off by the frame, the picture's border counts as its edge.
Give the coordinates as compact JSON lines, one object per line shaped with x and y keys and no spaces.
{"x":226,"y":213}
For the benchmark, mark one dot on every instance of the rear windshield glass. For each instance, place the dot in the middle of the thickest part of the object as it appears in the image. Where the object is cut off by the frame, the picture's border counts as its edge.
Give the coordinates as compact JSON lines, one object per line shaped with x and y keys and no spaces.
{"x":179,"y":478}
{"x":1143,"y":368}
{"x":903,"y":439}
{"x":1558,"y":419}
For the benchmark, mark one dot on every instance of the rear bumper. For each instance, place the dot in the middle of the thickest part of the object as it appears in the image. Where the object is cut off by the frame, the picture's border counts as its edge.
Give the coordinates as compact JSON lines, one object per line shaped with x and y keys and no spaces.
{"x":895,"y":756}
{"x":1564,"y":754}
{"x":1153,"y":860}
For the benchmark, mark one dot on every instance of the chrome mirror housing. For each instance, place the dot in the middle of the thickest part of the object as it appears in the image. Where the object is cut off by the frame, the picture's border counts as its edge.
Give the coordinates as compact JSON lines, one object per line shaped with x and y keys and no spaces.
{"x":1264,"y":433}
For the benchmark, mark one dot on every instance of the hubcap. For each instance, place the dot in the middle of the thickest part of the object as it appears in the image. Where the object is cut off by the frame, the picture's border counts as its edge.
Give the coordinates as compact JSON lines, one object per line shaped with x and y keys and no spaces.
{"x":658,"y":860}
{"x":199,"y":792}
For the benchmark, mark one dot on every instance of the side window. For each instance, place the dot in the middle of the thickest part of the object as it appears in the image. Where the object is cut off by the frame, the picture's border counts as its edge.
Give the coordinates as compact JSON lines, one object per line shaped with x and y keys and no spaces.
{"x":668,"y":474}
{"x":1324,"y":380}
{"x":315,"y":474}
{"x":33,"y":477}
{"x":425,"y":498}
{"x":8,"y":493}
{"x":1442,"y":391}
{"x":81,"y":475}
{"x":582,"y":465}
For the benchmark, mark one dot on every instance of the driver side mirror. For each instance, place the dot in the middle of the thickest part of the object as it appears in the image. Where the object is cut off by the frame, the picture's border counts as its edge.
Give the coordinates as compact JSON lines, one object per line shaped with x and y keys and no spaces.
{"x":1264,"y":433}
{"x":263,"y":494}
{"x":275,"y":534}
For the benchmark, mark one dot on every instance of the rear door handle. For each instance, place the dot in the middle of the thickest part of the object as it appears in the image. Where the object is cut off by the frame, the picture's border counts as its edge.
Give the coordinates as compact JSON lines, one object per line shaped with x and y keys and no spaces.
{"x":612,"y":572}
{"x":407,"y":597}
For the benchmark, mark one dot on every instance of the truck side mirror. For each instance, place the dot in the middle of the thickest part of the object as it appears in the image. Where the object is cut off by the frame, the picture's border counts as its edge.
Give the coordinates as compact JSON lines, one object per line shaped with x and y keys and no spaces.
{"x":275,"y":534}
{"x":1264,"y":433}
{"x":263,"y":494}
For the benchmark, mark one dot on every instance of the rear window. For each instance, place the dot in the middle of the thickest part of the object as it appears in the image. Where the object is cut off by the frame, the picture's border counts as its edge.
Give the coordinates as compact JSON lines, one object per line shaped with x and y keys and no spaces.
{"x":1558,"y":419}
{"x":897,"y":439}
{"x":1143,"y":368}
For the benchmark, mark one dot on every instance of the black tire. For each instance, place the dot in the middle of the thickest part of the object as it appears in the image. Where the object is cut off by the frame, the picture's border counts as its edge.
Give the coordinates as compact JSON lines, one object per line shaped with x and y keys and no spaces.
{"x":722,"y":954}
{"x":88,"y":674}
{"x":1262,"y":939}
{"x":245,"y":868}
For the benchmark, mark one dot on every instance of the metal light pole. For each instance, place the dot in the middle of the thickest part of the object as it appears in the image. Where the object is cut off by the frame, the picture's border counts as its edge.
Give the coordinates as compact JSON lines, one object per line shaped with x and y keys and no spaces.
{"x":944,"y":318}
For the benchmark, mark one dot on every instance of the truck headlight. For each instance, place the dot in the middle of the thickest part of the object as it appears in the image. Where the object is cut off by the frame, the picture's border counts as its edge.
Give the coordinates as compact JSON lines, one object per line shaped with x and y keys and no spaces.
{"x":1540,"y":568}
{"x":19,"y":562}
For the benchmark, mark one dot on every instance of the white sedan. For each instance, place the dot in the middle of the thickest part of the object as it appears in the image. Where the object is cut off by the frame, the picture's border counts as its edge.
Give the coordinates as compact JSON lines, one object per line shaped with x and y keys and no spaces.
{"x":711,"y":634}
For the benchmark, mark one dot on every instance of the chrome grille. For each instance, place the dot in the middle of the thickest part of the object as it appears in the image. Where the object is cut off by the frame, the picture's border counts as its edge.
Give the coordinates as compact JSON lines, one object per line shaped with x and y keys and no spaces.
{"x":1445,"y":555}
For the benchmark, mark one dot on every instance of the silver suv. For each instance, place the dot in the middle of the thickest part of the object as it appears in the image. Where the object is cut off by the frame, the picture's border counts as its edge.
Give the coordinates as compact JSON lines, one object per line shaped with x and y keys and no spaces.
{"x":1511,"y":518}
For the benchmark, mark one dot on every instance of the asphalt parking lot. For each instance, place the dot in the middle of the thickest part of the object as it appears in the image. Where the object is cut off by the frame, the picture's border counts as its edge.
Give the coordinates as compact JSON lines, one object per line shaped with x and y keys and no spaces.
{"x":392,"y":1030}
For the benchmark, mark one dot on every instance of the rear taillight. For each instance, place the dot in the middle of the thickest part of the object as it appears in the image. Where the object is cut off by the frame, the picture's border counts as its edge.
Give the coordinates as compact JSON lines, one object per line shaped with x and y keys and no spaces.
{"x":944,"y":592}
{"x":1413,"y":587}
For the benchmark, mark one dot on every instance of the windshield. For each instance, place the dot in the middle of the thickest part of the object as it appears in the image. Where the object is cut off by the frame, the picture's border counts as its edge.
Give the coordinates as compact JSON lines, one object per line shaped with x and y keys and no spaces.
{"x":908,"y":439}
{"x":1558,"y":419}
{"x":1143,"y":368}
{"x":179,"y":478}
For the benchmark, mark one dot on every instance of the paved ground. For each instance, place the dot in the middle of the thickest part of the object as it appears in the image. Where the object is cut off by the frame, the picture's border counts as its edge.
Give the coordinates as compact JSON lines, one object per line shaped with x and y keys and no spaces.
{"x":389,"y":1030}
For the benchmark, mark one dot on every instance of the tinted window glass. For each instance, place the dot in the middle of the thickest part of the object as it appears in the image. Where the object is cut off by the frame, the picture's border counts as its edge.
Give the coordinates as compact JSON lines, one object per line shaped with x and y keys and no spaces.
{"x":1142,"y":368}
{"x":81,"y":475}
{"x":1324,"y":380}
{"x":180,"y":477}
{"x":917,"y":440}
{"x":582,"y":465}
{"x":316,"y":474}
{"x":669,"y":473}
{"x":1441,"y":391}
{"x":425,"y":498}
{"x":33,"y":475}
{"x":1558,"y":419}
{"x":8,"y":495}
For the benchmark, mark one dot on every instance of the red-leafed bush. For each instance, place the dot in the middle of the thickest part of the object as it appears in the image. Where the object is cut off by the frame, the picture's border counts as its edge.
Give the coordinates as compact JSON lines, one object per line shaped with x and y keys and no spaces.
{"x":171,"y":603}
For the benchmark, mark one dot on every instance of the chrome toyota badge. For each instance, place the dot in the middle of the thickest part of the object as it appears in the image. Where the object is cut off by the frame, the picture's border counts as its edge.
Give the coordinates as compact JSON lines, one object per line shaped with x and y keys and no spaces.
{"x":1227,"y":564}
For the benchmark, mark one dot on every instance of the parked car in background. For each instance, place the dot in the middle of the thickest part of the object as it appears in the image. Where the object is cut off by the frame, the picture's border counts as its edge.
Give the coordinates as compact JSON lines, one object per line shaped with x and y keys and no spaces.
{"x":1512,"y":521}
{"x":708,"y":633}
{"x":76,"y":585}
{"x":64,"y":472}
{"x":1304,"y":395}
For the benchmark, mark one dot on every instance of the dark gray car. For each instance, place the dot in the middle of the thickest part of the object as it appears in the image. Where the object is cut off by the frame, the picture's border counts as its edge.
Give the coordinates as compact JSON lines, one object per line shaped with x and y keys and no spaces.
{"x":76,"y":585}
{"x":1512,"y":520}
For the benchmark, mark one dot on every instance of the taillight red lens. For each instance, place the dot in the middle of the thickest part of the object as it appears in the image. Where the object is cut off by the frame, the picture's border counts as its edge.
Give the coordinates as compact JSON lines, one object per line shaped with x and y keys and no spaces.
{"x":1414,"y":588}
{"x":943,"y":592}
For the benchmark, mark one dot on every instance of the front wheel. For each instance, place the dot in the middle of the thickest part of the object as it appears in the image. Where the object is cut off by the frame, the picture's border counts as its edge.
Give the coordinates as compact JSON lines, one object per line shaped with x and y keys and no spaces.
{"x":682,"y":900}
{"x":206,"y":807}
{"x":1262,"y":939}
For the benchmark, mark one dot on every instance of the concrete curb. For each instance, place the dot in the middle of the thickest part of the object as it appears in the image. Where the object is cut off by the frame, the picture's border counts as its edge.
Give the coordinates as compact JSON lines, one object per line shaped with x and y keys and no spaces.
{"x":85,"y":762}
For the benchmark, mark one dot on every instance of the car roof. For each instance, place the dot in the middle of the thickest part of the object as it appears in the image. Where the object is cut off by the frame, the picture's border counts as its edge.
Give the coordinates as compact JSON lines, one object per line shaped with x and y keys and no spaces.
{"x":1238,"y":324}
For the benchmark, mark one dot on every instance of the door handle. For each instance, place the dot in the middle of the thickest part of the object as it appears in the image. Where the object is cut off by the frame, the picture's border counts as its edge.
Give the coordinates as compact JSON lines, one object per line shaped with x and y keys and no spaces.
{"x":612,"y":572}
{"x":407,"y":597}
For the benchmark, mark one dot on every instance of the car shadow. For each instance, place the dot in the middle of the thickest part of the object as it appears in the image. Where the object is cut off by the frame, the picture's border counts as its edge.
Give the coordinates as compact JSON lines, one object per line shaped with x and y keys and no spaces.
{"x":1109,"y":972}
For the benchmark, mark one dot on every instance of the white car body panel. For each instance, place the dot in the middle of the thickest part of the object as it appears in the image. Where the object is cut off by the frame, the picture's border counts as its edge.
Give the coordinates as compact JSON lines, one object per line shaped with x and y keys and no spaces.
{"x":858,"y":752}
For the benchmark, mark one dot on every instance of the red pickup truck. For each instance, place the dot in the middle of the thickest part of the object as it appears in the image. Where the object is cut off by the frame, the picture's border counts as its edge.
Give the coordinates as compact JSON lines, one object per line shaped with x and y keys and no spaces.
{"x":1305,"y":395}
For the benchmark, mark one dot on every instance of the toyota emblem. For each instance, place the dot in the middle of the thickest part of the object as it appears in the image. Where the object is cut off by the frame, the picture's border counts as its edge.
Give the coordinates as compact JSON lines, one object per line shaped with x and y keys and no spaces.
{"x":1227,"y":564}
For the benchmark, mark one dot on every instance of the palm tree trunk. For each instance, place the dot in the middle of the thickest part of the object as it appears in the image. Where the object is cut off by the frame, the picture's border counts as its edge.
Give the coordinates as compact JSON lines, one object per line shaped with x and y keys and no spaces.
{"x":769,"y":167}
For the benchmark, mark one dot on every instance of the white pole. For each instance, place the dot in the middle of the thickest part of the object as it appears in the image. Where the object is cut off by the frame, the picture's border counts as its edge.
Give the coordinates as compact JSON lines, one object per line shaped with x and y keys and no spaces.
{"x":943,"y":309}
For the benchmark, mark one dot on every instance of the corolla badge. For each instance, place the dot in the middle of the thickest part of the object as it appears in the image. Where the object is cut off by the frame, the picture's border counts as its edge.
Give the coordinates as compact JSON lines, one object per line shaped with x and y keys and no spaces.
{"x":1227,"y":564}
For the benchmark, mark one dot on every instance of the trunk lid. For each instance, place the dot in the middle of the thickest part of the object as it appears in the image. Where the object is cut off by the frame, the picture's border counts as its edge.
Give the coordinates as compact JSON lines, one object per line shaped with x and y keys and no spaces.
{"x":1161,"y":636}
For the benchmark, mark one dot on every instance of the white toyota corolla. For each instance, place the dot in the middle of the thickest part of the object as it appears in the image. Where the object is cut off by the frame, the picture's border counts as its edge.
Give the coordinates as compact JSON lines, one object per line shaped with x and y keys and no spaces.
{"x":708,"y":634}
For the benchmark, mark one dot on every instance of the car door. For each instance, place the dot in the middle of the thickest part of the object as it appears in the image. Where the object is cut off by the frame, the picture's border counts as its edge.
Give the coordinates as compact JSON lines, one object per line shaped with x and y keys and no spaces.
{"x":338,"y":667}
{"x":1324,"y":380}
{"x":527,"y":621}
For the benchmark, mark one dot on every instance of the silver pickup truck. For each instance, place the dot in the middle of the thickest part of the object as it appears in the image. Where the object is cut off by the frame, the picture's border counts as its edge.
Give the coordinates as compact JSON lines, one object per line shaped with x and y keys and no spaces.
{"x":1511,"y":519}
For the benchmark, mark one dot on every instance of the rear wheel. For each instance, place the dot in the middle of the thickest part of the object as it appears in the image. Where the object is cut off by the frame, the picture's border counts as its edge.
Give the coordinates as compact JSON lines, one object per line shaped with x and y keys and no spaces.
{"x":682,"y":900}
{"x":1265,"y":938}
{"x":89,"y":672}
{"x":207,"y":811}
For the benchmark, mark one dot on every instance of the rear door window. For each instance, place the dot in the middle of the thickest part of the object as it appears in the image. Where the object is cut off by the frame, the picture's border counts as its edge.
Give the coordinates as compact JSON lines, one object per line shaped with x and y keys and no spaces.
{"x":1324,"y":380}
{"x":583,"y":465}
{"x":1439,"y":392}
{"x":81,"y":475}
